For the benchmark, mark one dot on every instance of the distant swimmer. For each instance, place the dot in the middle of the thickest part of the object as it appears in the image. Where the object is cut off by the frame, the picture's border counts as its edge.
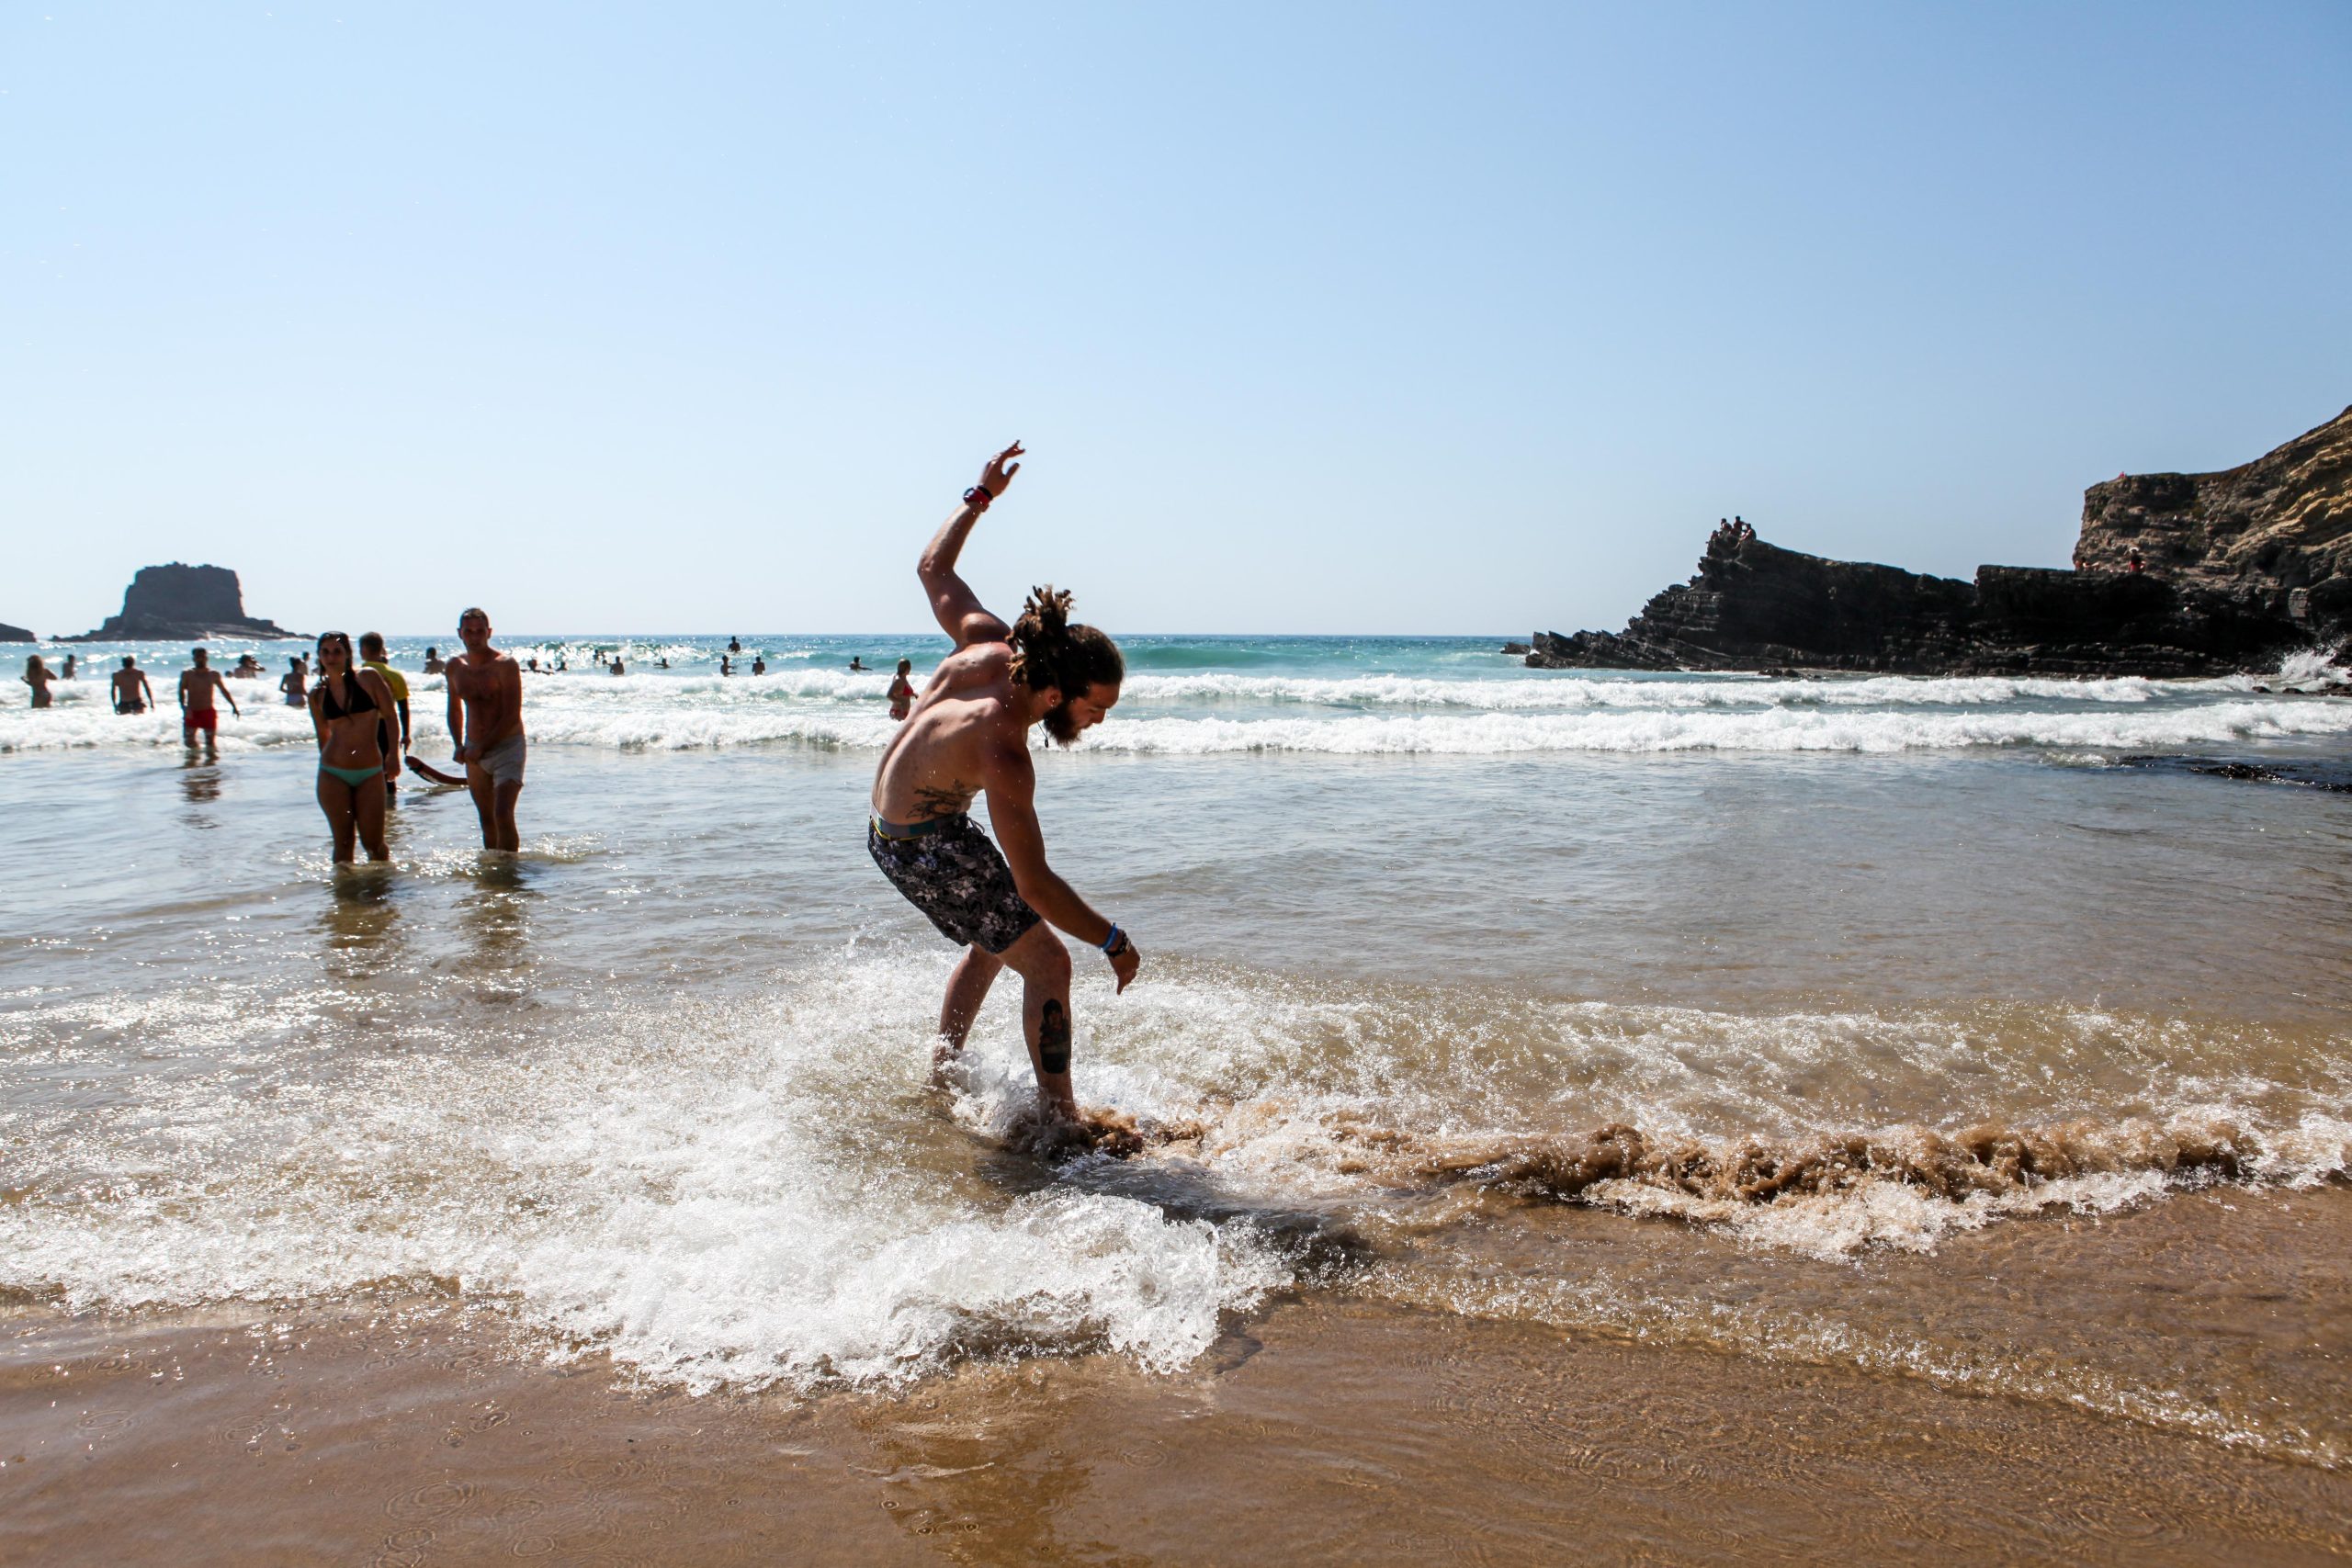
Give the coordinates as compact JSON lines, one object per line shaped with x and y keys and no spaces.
{"x":486,"y":727}
{"x":198,"y":684}
{"x":395,"y":745}
{"x":347,"y":709}
{"x":759,"y":665}
{"x":726,"y":665}
{"x":432,"y":665}
{"x":857,"y":662}
{"x":38,"y":676}
{"x":662,"y":664}
{"x":734,"y":647}
{"x":248,"y":668}
{"x":969,"y":734}
{"x":616,"y":665}
{"x":131,"y":691}
{"x":902,"y":691}
{"x":534,"y":665}
{"x":69,"y":674}
{"x":297,"y":684}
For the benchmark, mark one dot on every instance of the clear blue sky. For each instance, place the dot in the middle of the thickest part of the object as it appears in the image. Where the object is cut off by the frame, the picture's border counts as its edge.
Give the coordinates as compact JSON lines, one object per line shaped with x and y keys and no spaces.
{"x":1317,"y":318}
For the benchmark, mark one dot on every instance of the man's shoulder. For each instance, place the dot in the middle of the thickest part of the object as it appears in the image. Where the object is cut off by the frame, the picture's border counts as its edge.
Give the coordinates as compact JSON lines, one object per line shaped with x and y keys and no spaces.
{"x":991,"y":658}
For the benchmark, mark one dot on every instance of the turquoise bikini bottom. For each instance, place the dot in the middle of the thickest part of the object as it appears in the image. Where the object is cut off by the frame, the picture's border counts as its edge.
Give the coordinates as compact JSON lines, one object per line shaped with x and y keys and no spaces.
{"x":354,"y":777}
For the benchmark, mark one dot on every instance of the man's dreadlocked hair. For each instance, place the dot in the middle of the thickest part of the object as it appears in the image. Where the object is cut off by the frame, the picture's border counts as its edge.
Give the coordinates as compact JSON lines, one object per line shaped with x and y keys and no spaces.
{"x":1047,"y":651}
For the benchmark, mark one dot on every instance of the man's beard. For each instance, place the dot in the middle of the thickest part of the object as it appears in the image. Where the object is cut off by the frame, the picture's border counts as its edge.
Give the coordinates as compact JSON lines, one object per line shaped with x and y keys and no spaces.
{"x":1061,"y":723}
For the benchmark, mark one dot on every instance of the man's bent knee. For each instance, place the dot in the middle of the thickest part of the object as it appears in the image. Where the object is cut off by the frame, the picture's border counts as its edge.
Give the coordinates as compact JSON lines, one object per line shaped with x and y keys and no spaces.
{"x":1040,"y":958}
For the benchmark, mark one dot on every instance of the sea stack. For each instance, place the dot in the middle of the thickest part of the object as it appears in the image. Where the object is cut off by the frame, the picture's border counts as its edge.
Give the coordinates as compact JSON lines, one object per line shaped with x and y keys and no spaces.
{"x":177,"y":603}
{"x":2175,"y":574}
{"x":16,"y":633}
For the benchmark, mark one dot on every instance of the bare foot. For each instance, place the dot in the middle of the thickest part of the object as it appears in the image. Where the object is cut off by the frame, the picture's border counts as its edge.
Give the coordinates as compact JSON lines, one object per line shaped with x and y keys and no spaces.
{"x":1054,"y":1136}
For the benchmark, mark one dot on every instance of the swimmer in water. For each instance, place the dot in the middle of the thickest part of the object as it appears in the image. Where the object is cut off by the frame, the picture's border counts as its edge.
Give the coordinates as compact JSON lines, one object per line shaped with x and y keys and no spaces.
{"x":902,"y":691}
{"x":347,"y":708}
{"x":432,"y":665}
{"x":297,"y":684}
{"x":131,"y":691}
{"x":969,"y":734}
{"x":38,"y":677}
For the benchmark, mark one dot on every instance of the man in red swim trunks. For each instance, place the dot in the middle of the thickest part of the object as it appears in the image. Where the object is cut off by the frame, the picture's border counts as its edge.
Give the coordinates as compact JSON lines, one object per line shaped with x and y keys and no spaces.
{"x":197,"y":683}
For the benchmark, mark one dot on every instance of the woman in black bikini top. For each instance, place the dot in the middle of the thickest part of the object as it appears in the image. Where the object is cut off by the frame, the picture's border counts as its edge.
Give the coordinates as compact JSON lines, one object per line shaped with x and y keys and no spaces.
{"x":350,"y":758}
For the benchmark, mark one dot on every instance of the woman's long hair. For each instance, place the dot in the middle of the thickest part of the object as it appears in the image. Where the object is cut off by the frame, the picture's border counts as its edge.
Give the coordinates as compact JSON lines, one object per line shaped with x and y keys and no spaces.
{"x":33,"y":667}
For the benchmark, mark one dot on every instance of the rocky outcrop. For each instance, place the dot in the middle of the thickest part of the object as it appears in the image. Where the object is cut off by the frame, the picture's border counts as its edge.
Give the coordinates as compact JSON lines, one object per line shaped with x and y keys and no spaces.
{"x":2178,"y":574}
{"x":2274,"y":535}
{"x":16,"y":633}
{"x":175,"y":602}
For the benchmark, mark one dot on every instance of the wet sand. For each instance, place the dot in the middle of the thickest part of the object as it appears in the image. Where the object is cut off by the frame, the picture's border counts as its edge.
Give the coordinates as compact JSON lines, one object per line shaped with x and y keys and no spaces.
{"x":1331,"y":1428}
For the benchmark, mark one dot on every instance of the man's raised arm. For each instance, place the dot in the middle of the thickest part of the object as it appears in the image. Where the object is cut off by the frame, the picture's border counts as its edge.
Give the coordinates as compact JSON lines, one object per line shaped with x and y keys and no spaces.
{"x":959,"y":610}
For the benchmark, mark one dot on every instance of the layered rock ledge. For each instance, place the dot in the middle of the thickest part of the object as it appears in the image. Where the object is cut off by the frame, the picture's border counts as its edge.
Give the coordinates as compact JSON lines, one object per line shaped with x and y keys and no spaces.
{"x":178,"y":602}
{"x":2175,"y":574}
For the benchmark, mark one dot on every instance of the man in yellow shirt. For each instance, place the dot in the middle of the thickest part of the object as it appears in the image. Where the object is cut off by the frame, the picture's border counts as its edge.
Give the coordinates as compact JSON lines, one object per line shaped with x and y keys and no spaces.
{"x":371,"y":654}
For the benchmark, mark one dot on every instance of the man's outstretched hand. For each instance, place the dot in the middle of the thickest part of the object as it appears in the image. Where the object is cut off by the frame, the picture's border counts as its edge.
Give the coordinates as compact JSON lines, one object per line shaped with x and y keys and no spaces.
{"x":1125,"y":962}
{"x":998,"y":475}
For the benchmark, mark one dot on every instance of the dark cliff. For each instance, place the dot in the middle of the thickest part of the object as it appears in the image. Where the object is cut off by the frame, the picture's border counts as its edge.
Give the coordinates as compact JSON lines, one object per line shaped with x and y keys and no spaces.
{"x":176,"y":601}
{"x":2235,"y":570}
{"x":16,"y":633}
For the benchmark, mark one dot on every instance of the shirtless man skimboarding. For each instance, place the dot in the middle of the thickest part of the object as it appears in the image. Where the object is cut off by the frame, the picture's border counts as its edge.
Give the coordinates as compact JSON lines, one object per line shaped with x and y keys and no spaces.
{"x":486,"y":727}
{"x":197,"y":683}
{"x":969,"y":734}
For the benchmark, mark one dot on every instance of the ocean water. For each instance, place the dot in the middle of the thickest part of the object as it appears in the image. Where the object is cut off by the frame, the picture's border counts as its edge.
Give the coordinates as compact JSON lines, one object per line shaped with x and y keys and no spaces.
{"x":1757,"y":1015}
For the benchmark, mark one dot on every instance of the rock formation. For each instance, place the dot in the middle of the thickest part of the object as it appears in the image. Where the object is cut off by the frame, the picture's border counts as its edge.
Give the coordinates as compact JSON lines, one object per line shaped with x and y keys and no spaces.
{"x":2234,"y":570}
{"x":177,"y":603}
{"x":16,"y":633}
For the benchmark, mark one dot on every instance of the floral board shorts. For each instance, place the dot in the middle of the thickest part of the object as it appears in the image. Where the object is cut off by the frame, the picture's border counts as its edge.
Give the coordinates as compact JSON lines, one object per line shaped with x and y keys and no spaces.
{"x":955,"y":874}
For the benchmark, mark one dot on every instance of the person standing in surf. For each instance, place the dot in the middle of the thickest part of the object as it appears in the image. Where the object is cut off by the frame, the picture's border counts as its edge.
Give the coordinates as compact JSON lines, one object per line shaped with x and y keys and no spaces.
{"x":968,"y":735}
{"x":131,"y":691}
{"x":347,"y":707}
{"x":198,"y":684}
{"x":486,"y":729}
{"x":902,"y":691}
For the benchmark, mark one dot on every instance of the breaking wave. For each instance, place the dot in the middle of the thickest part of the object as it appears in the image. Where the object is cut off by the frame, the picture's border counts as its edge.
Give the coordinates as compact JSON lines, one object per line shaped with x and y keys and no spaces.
{"x":1210,"y":714}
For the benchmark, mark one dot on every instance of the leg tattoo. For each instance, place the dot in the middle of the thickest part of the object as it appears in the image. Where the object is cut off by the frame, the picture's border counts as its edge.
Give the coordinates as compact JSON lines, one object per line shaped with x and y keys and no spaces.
{"x":1052,"y":1037}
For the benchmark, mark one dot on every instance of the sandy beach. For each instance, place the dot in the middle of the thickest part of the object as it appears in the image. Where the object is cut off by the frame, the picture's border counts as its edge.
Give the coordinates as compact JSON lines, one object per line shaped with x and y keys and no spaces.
{"x":1870,"y":1119}
{"x":1337,"y":1429}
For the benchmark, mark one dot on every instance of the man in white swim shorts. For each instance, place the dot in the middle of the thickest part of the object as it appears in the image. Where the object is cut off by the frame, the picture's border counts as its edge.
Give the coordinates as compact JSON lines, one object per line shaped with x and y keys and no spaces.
{"x":486,"y":727}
